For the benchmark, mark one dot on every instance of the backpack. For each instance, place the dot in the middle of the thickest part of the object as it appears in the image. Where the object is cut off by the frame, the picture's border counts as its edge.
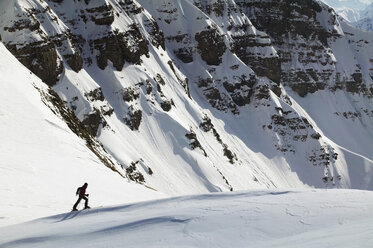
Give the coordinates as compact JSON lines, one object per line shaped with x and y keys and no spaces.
{"x":78,"y":191}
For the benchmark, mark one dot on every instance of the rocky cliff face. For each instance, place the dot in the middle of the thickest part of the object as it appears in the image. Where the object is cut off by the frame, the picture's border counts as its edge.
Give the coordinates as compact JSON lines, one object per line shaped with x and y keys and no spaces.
{"x":309,"y":38}
{"x":208,"y":95}
{"x":318,"y":52}
{"x":253,"y":47}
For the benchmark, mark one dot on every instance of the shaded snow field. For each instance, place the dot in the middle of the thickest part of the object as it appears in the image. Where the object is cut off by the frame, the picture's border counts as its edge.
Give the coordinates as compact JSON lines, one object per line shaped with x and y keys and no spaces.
{"x":297,"y":218}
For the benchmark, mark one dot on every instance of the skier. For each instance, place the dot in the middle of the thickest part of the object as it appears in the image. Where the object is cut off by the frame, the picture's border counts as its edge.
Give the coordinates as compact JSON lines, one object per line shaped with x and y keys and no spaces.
{"x":82,"y":195}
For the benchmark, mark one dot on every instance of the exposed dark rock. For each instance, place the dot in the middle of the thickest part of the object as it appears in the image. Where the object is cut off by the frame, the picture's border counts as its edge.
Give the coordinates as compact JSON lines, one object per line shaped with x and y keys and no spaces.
{"x":159,"y":79}
{"x":229,"y":154}
{"x":211,"y":92}
{"x":355,"y":86}
{"x":40,"y":58}
{"x":31,"y":24}
{"x":92,"y":122}
{"x":110,"y":49}
{"x":211,"y":46}
{"x":130,"y":94}
{"x":185,"y":54}
{"x":298,"y":37}
{"x":350,"y":115}
{"x":166,"y":105}
{"x":261,"y":92}
{"x":108,"y":111}
{"x":102,"y":15}
{"x":131,"y":7}
{"x":269,"y":67}
{"x":150,"y":171}
{"x":95,"y":95}
{"x":157,"y":36}
{"x":323,"y":156}
{"x":159,"y":90}
{"x":251,"y":46}
{"x":120,"y":47}
{"x":75,"y":61}
{"x":132,"y":53}
{"x":304,"y":88}
{"x":282,"y":17}
{"x":218,"y":8}
{"x":218,"y":100}
{"x":289,"y":127}
{"x":246,"y":46}
{"x":277,"y":90}
{"x":78,"y":41}
{"x":241,"y":91}
{"x":316,"y":136}
{"x":149,"y":87}
{"x":194,"y":142}
{"x":133,"y":173}
{"x":133,"y":118}
{"x":206,"y":125}
{"x":295,"y":123}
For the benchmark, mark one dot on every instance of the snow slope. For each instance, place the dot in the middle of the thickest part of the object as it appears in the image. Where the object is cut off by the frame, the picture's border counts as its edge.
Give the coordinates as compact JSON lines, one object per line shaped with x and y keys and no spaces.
{"x":299,"y":218}
{"x":42,"y":161}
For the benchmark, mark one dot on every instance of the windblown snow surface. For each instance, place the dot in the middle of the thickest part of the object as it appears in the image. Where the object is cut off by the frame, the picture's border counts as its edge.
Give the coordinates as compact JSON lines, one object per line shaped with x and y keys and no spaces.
{"x":300,"y":218}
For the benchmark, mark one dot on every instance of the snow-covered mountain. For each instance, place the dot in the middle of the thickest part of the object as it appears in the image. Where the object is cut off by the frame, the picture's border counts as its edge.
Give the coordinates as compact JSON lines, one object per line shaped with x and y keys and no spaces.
{"x":349,"y":14}
{"x":362,"y":19}
{"x":366,"y":20}
{"x":364,"y":24}
{"x":196,"y":96}
{"x":352,"y":4}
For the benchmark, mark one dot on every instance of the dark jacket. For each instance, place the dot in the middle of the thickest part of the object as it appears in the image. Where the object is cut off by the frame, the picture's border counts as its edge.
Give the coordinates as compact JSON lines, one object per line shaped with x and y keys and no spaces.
{"x":81,"y":191}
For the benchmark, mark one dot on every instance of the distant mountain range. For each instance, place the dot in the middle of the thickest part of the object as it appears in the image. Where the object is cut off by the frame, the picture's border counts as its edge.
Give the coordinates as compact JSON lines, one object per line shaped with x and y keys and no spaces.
{"x":357,"y":13}
{"x":349,"y":14}
{"x":352,"y":4}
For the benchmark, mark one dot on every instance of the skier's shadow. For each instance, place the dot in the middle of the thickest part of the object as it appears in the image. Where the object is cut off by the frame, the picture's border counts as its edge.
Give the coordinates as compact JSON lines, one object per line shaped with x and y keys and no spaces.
{"x":69,"y":216}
